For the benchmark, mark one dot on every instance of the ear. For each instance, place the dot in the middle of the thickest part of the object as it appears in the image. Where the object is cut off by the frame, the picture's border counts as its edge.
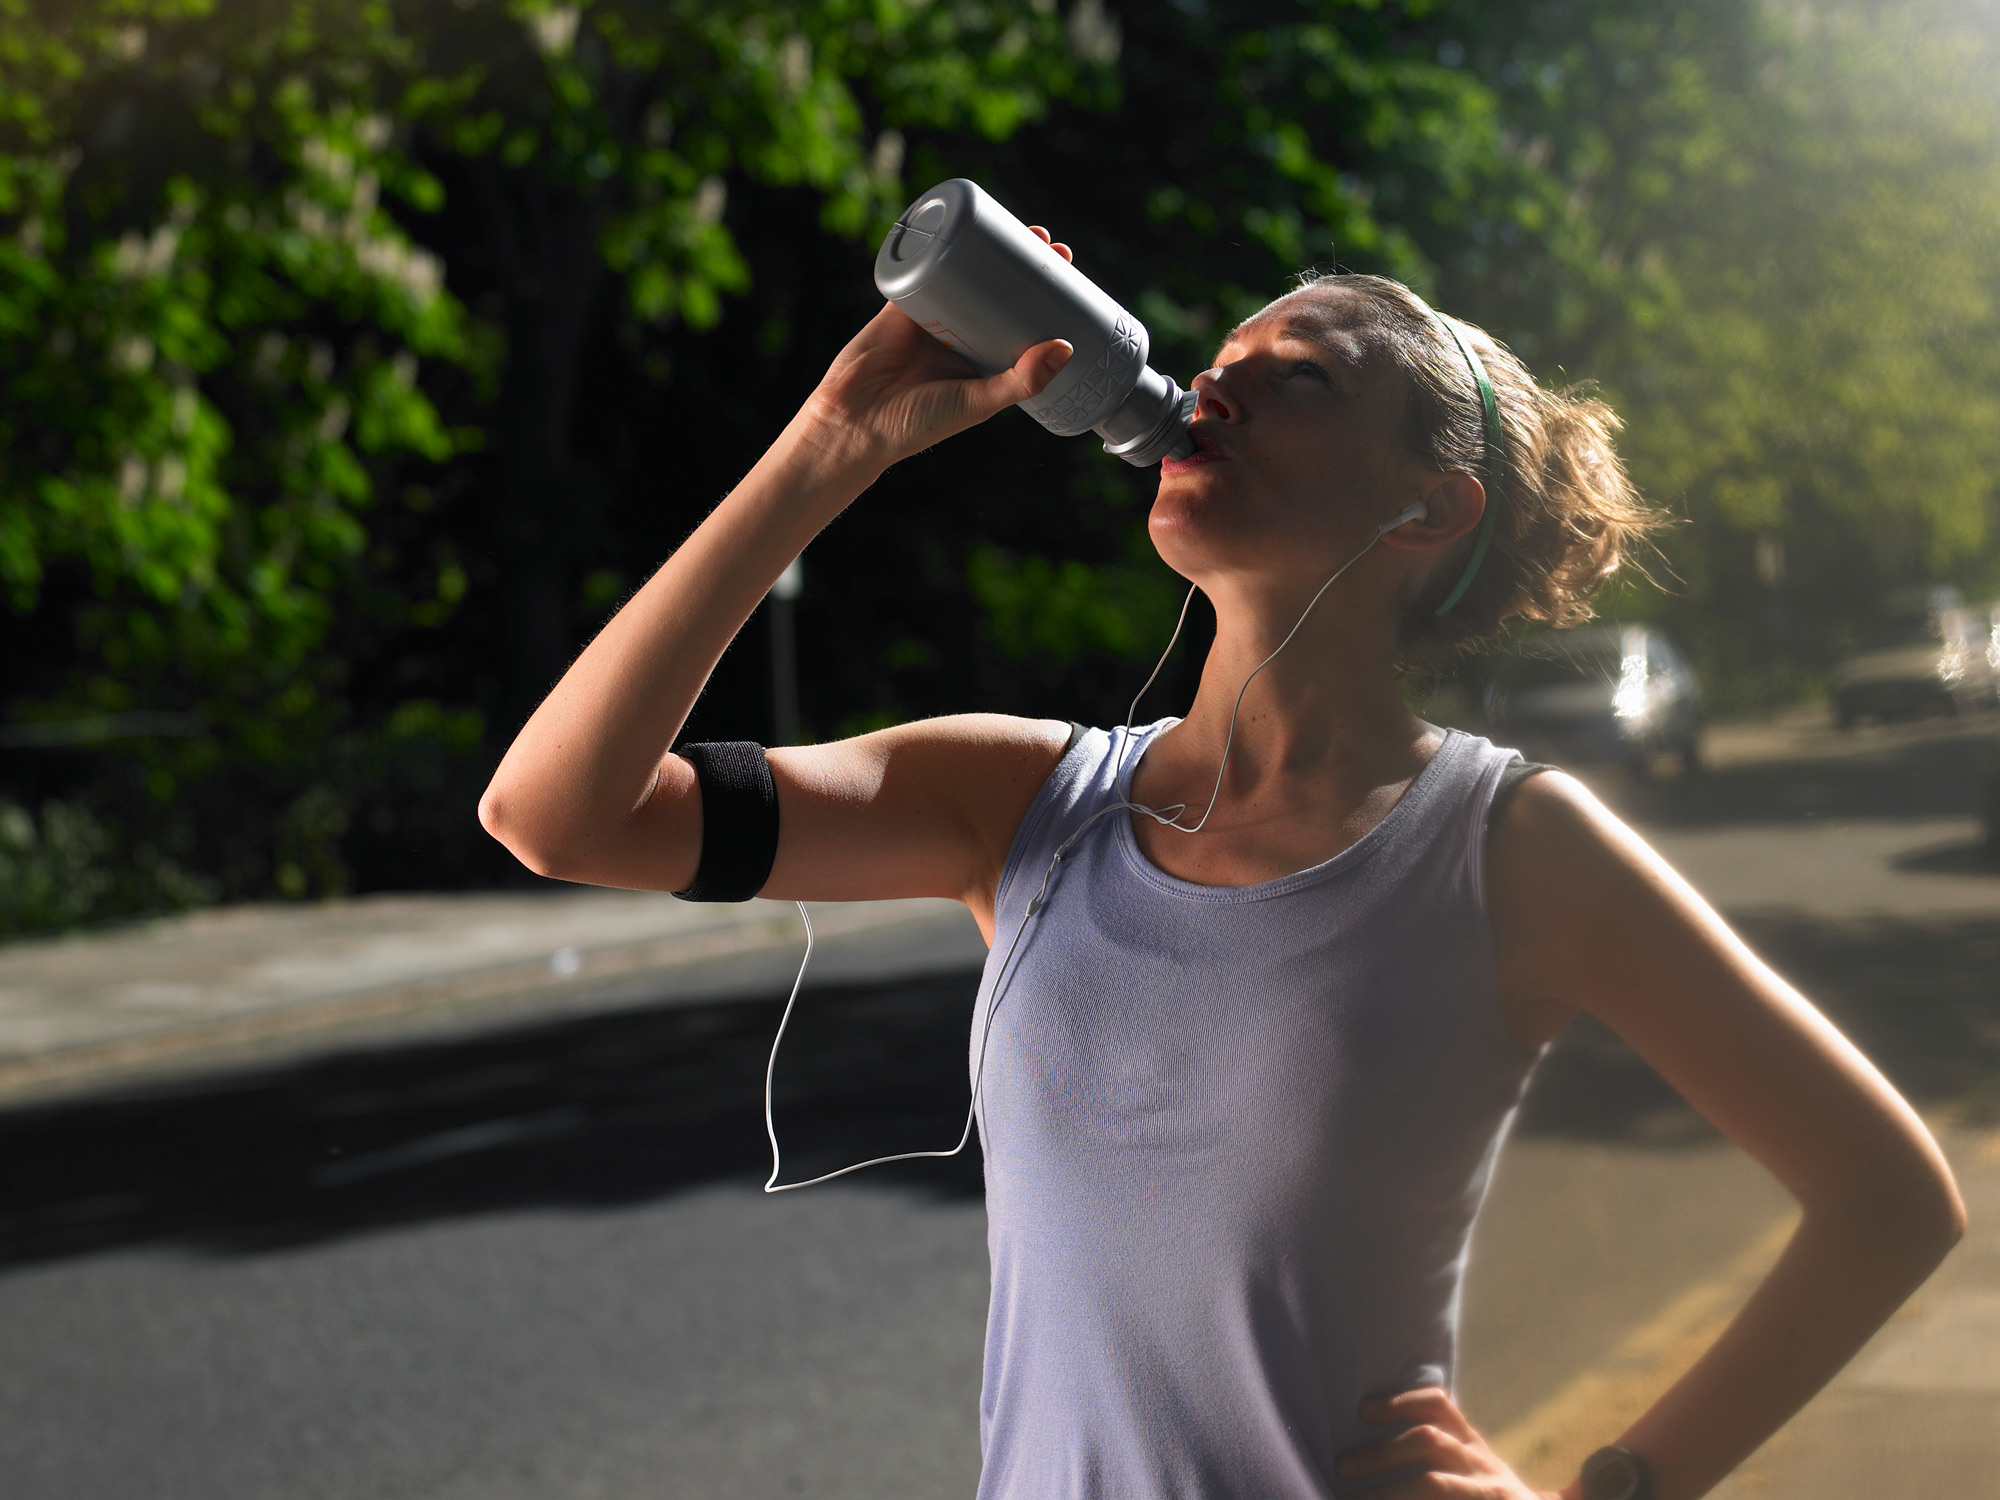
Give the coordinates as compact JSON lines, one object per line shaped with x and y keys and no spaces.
{"x":1453,"y":506}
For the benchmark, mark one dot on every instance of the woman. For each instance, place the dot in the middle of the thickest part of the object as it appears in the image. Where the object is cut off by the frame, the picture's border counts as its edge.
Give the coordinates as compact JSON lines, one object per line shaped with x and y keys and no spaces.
{"x":1240,"y":1088}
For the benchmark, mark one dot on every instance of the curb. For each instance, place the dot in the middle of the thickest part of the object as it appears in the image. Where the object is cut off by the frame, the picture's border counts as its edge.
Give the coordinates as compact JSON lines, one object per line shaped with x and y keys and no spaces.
{"x":742,"y":960}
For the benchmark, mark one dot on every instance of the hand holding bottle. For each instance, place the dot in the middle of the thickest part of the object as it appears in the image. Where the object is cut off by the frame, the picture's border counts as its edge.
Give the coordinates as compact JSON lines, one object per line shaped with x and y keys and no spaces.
{"x":989,"y":287}
{"x":895,"y":390}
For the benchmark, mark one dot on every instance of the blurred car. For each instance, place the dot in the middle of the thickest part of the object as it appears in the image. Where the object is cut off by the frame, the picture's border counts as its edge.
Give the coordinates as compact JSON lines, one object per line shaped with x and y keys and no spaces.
{"x":1603,"y":693}
{"x":1924,"y":653}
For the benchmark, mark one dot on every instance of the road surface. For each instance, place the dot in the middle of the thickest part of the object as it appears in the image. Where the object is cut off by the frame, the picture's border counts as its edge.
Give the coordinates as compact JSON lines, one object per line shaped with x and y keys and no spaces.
{"x":534,"y":1263}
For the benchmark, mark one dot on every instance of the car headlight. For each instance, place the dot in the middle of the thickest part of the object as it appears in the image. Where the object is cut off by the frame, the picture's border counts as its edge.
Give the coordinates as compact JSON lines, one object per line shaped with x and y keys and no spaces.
{"x":1632,"y":700}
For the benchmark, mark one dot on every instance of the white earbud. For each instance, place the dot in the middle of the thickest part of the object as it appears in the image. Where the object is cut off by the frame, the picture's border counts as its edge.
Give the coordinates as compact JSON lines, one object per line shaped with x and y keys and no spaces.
{"x":1414,"y":511}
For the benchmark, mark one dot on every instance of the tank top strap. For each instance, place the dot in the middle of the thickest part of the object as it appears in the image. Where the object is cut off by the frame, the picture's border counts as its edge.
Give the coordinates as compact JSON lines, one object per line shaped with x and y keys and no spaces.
{"x":1087,"y":780}
{"x":1451,"y":800}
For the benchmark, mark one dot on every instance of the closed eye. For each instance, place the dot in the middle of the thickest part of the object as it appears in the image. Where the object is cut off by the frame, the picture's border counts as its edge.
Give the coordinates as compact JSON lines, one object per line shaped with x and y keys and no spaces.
{"x":1308,"y":368}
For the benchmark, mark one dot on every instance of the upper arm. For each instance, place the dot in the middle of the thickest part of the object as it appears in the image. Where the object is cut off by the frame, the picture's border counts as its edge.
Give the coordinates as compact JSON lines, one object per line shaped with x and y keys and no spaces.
{"x":923,"y":809}
{"x":1586,"y":917}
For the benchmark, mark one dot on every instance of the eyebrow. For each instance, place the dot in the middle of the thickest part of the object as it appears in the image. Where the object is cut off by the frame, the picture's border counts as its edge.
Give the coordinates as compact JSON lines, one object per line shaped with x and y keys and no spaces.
{"x":1347,"y":353}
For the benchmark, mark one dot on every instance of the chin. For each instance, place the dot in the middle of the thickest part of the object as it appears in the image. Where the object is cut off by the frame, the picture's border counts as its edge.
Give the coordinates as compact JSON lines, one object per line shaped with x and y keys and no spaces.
{"x":1189,"y":540}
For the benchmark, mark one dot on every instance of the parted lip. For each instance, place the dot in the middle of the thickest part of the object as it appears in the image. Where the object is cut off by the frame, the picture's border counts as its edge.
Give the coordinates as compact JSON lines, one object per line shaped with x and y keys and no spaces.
{"x":1206,"y":450}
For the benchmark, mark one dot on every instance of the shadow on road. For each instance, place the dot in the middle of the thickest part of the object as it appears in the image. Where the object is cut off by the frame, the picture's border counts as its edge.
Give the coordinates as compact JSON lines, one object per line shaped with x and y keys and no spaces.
{"x":610,"y":1110}
{"x":629,"y":1107}
{"x":1954,"y":857}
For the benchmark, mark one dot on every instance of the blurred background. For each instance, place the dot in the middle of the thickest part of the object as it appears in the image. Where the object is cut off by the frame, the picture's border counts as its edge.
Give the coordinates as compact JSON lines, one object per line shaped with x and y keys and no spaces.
{"x":358,"y":357}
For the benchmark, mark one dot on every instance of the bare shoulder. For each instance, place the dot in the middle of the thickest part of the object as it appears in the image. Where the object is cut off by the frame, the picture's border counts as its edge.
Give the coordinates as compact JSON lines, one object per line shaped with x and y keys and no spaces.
{"x":1555,"y":836}
{"x":1576,"y":899}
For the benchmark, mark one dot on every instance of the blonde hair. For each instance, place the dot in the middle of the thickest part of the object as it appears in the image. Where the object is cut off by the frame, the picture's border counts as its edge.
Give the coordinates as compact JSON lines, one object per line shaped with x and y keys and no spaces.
{"x":1568,"y":516}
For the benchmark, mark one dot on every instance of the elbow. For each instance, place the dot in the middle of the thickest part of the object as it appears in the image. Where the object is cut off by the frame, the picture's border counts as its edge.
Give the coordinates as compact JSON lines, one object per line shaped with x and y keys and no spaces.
{"x":1954,"y":1225}
{"x":1938,"y":1218}
{"x":1934,"y":1229}
{"x":501,"y":817}
{"x":496,"y":814}
{"x":1912,"y":1225}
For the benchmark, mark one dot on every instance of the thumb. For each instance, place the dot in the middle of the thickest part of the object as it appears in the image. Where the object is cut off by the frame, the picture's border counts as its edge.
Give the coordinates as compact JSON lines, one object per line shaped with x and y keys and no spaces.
{"x":1030,"y":376}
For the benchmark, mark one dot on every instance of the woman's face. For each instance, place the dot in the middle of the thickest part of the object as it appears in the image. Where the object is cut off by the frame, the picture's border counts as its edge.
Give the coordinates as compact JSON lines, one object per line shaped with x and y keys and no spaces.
{"x":1300,"y":455}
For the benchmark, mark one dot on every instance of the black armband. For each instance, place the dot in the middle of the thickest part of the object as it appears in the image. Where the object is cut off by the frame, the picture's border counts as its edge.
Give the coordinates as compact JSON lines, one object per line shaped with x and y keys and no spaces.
{"x":739,"y":820}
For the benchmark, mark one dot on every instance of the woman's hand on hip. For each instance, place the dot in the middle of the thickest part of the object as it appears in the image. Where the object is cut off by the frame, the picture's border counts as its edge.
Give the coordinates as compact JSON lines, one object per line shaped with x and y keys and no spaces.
{"x":895,"y":390}
{"x":1461,"y":1466}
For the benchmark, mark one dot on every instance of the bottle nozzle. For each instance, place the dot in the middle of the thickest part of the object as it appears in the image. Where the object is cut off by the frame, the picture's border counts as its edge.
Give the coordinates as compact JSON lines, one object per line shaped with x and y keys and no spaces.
{"x":1181,"y":442}
{"x":1152,"y":424}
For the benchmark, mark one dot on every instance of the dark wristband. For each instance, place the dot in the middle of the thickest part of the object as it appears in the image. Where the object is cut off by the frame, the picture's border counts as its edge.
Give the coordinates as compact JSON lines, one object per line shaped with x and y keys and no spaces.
{"x":739,"y":820}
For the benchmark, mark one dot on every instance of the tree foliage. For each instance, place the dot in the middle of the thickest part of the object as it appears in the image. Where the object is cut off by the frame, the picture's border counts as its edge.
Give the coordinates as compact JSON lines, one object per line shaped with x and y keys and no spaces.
{"x":358,"y":357}
{"x":212,"y":322}
{"x":1794,"y":212}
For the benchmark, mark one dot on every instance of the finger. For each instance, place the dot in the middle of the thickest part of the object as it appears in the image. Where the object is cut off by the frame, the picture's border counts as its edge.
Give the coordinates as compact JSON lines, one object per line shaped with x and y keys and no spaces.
{"x":1048,"y":239}
{"x":1030,"y":376}
{"x":1428,"y":1404}
{"x":1430,"y":1446}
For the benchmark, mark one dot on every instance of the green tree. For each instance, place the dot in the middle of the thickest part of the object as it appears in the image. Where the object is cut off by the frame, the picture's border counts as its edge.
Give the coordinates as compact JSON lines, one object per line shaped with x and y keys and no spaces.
{"x":1799,"y":211}
{"x":590,"y":153}
{"x":226,"y":341}
{"x":211,"y":328}
{"x":357,"y":358}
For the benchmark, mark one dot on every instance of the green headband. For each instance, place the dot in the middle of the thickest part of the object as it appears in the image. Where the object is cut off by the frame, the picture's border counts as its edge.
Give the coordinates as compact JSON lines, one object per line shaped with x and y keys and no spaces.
{"x":1491,"y":406}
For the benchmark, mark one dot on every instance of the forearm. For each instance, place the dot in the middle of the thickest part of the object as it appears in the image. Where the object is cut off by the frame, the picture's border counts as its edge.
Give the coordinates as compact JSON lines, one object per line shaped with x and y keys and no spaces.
{"x":1842,"y":1275}
{"x":571,"y":796}
{"x":588,"y":755}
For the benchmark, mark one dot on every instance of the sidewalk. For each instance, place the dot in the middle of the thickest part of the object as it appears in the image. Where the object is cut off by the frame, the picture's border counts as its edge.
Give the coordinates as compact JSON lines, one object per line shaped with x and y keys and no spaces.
{"x":256,"y":985}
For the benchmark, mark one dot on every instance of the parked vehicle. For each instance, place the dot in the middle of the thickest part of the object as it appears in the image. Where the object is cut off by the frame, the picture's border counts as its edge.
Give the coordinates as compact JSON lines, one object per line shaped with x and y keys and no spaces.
{"x":1924,"y":653}
{"x":1602,"y":693}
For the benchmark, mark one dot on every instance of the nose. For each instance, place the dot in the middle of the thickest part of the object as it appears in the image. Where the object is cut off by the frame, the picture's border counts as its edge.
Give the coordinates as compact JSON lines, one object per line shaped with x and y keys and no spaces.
{"x":1211,"y":400}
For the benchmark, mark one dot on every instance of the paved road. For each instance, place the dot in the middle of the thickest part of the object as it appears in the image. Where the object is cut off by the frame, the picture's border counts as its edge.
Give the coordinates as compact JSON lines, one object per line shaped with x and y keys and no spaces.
{"x":534,"y":1263}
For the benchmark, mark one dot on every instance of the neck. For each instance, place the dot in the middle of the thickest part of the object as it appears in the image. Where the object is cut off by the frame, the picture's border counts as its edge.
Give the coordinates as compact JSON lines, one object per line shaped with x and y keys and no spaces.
{"x":1328,"y":698}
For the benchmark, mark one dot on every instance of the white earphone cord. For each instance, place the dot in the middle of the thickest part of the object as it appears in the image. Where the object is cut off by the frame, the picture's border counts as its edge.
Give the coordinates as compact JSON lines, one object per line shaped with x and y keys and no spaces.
{"x":1166,"y":817}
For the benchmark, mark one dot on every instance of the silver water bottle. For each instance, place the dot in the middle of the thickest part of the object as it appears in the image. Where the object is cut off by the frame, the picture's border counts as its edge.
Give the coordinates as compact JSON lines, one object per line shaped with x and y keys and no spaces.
{"x":975,"y":278}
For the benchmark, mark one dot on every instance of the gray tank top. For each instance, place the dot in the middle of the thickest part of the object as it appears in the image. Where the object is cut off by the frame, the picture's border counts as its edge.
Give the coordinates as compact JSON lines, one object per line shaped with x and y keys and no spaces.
{"x":1235,"y":1139}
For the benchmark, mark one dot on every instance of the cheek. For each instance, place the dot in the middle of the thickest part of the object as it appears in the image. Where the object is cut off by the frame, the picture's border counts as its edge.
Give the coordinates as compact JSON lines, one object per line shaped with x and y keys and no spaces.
{"x":1321,"y":463}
